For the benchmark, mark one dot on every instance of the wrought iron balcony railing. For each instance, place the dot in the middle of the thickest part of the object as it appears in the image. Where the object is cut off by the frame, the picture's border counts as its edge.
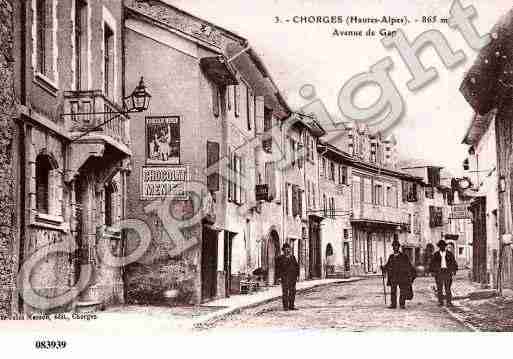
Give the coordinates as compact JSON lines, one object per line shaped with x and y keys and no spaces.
{"x":85,"y":110}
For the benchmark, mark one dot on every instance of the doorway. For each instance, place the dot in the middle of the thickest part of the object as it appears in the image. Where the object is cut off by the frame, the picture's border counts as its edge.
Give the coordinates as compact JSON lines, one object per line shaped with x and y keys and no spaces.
{"x":315,"y":250}
{"x":208,"y":264}
{"x":273,"y":251}
{"x":346,"y":257}
{"x":227,"y":267}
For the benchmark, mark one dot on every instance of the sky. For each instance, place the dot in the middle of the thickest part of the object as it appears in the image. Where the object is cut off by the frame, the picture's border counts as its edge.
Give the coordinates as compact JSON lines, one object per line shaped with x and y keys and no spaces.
{"x":436,"y":117}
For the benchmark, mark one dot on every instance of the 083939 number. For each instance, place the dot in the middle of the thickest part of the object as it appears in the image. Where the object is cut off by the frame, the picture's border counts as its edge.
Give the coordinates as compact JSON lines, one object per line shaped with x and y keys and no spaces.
{"x":50,"y":344}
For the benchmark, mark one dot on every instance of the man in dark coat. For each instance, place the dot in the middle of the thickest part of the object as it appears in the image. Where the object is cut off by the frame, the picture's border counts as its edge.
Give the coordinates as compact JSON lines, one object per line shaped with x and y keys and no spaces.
{"x":400,"y":274}
{"x":287,"y":269}
{"x":443,"y":266}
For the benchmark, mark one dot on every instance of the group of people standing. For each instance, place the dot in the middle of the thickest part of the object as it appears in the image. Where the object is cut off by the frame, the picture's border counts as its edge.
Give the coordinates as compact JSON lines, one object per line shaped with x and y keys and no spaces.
{"x":401,"y":274}
{"x":399,"y":270}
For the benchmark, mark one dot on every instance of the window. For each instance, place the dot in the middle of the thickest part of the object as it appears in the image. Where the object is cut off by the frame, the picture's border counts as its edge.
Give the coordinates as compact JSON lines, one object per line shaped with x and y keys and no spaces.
{"x":250,"y":107}
{"x":346,"y":233}
{"x":409,"y":191}
{"x":356,"y":190}
{"x":48,"y":188}
{"x":323,"y":168}
{"x":367,"y":190}
{"x":460,"y":251}
{"x":213,"y":160}
{"x":43,"y":170}
{"x":41,"y":33}
{"x":332,"y":171}
{"x":324,"y":205}
{"x":435,"y":216}
{"x":236,"y":189}
{"x":236,"y":100}
{"x":378,"y":190}
{"x":292,"y":148}
{"x":267,"y":144}
{"x":110,"y":203}
{"x":216,"y":100}
{"x":430,"y":192}
{"x":108,"y":61}
{"x":270,"y":179}
{"x":80,"y":42}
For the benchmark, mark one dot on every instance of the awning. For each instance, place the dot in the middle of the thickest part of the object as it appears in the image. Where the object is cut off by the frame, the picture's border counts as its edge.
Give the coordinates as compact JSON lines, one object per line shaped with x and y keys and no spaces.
{"x":375,"y":223}
{"x":218,"y":69}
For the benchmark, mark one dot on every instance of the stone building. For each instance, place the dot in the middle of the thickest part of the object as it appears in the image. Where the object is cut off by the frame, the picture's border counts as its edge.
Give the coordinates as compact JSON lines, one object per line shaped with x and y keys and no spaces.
{"x":482,"y":181}
{"x":361,"y":192}
{"x":335,"y":209}
{"x":8,"y":159}
{"x":70,"y":182}
{"x":212,"y":101}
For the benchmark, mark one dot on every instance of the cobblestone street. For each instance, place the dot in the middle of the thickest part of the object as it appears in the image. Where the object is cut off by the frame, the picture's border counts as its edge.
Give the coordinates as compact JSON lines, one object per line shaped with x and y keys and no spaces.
{"x":357,"y":306}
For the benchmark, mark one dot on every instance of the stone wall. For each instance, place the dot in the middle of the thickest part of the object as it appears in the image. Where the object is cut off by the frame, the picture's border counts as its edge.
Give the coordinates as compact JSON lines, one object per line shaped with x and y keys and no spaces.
{"x":7,"y":146}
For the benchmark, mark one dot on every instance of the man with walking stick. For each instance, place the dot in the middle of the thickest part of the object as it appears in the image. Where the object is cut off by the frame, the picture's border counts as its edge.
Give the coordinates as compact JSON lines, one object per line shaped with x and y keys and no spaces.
{"x":383,"y":280}
{"x":400,"y":274}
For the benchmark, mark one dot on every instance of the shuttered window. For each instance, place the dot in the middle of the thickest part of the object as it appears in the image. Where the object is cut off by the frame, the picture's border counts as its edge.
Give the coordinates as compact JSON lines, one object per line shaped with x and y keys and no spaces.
{"x":250,"y":107}
{"x":213,"y":161}
{"x":270,"y":179}
{"x":216,"y":102}
{"x":236,"y":100}
{"x":43,"y":170}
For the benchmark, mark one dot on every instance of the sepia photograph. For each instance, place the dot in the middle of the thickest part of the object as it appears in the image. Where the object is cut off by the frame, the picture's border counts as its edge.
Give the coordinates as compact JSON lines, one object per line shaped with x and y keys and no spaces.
{"x":189,"y":168}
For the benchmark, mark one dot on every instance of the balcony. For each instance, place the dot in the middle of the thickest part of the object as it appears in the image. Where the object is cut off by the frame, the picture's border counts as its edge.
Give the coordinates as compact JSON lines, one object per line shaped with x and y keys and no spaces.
{"x":84,"y":110}
{"x":368,"y":213}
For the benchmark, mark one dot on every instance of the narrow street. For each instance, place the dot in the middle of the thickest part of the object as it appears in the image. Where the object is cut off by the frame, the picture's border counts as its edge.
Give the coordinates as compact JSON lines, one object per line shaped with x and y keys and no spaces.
{"x":357,"y":306}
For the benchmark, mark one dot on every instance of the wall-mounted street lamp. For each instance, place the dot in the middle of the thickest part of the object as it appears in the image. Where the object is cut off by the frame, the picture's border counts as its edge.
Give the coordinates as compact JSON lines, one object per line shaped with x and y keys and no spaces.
{"x":502,"y":184}
{"x":138,"y":101}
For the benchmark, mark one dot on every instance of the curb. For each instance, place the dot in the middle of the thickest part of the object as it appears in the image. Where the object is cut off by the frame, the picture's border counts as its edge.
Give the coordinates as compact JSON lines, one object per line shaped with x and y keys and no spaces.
{"x":460,"y":320}
{"x":221,"y":314}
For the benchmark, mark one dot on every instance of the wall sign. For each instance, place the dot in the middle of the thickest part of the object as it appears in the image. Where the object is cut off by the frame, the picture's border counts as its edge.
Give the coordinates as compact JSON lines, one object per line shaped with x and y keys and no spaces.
{"x":460,"y":211}
{"x":163,"y":140}
{"x":164,"y":182}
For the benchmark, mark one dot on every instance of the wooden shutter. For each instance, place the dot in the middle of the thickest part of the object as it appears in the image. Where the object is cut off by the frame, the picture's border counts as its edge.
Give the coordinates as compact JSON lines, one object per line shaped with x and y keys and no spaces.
{"x":243,"y":180}
{"x":295,"y":202}
{"x":236,"y":100}
{"x":270,"y":179}
{"x":259,"y":113}
{"x":215,"y":100}
{"x":213,"y":160}
{"x":229,"y":97}
{"x":250,"y":107}
{"x":230,"y":175}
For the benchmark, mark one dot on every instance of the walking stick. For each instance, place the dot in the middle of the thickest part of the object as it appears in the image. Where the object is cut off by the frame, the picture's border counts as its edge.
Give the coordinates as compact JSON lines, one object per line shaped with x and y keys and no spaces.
{"x":383,"y":280}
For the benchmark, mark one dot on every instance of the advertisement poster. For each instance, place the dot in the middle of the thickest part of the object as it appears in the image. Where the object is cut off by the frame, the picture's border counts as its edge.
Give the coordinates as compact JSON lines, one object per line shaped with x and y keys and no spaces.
{"x":163,"y":140}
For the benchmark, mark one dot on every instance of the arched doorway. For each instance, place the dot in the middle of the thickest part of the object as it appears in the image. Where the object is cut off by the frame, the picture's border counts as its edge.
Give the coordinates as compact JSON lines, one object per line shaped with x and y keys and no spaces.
{"x":272,"y":251}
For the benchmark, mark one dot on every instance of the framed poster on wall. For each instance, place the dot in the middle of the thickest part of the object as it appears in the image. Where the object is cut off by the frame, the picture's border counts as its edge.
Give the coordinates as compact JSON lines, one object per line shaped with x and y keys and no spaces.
{"x":163,"y":140}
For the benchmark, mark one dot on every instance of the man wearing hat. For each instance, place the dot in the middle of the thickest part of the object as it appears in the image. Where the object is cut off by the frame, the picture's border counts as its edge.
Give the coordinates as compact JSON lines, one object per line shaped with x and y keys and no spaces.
{"x":400,"y":273}
{"x":443,"y":266}
{"x":287,"y":269}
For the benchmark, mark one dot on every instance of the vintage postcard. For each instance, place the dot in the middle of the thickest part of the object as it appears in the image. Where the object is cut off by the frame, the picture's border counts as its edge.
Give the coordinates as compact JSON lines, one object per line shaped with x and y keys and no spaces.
{"x":183,"y":168}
